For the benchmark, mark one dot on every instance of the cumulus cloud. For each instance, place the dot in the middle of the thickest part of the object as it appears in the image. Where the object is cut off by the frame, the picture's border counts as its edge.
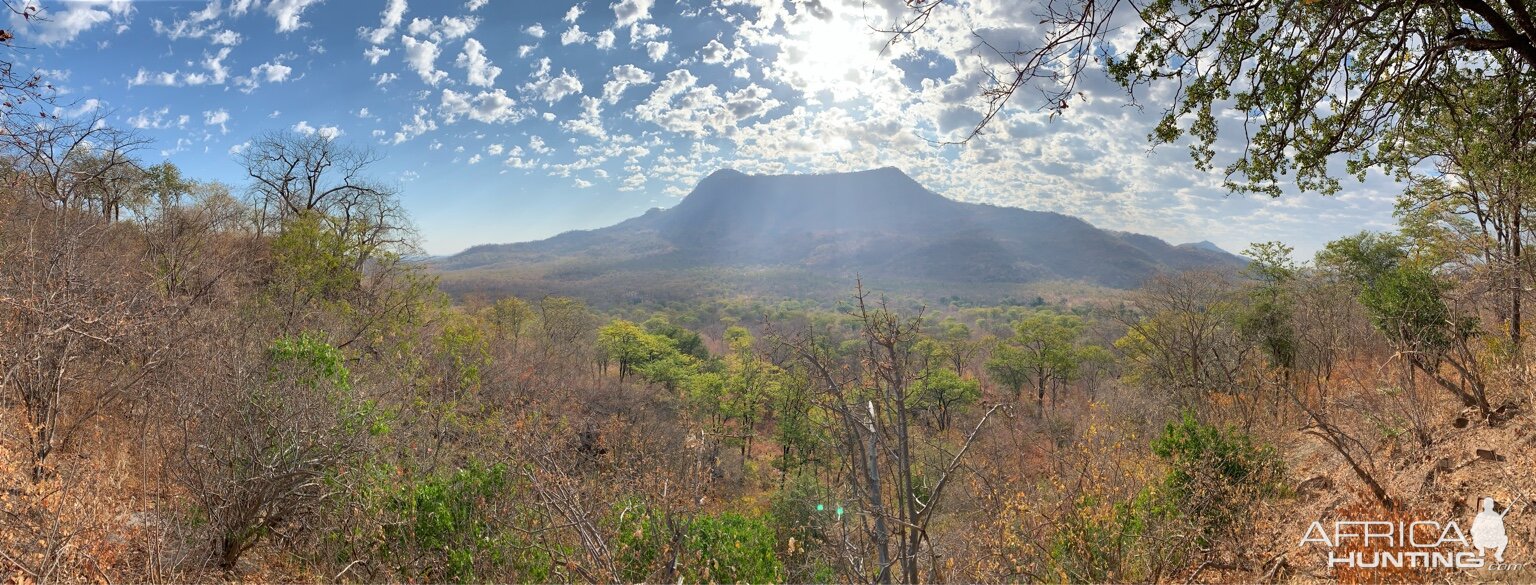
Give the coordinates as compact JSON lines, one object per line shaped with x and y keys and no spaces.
{"x":656,"y":50}
{"x":573,"y":36}
{"x":389,"y":20}
{"x":326,"y":132}
{"x":289,"y":13}
{"x":473,"y":5}
{"x":274,"y":71}
{"x":219,"y":118}
{"x":478,"y":68}
{"x":421,"y":57}
{"x":374,"y":54}
{"x":214,"y":73}
{"x":490,"y":107}
{"x":631,"y":11}
{"x":421,"y":123}
{"x":604,"y":40}
{"x":66,"y":22}
{"x":622,"y":78}
{"x":549,"y":88}
{"x":535,"y":30}
{"x":446,"y":28}
{"x":572,"y":14}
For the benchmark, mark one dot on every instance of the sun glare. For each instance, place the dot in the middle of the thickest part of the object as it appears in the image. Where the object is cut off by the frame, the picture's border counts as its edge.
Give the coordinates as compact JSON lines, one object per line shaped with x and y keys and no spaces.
{"x":834,"y":55}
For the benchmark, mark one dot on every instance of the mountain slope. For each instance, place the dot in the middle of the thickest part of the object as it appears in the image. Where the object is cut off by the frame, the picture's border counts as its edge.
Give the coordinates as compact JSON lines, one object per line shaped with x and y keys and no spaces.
{"x":880,"y":224}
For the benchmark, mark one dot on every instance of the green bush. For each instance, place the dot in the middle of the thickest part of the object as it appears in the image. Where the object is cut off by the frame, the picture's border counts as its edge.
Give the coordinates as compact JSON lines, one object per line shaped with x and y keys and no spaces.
{"x":1214,"y":477}
{"x":722,"y":548}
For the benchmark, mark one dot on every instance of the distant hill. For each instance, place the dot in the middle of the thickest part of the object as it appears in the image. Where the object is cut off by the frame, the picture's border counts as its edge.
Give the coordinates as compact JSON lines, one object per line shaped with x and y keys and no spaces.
{"x":796,"y":234}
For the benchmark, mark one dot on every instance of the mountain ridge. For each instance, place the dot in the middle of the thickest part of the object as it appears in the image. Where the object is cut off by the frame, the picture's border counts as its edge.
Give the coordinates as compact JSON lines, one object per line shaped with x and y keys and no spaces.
{"x":877,"y":223}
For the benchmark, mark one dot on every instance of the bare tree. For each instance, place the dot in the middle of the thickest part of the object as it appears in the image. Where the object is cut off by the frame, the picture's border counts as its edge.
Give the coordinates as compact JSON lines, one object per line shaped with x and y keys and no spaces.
{"x":295,"y":174}
{"x":868,"y":397}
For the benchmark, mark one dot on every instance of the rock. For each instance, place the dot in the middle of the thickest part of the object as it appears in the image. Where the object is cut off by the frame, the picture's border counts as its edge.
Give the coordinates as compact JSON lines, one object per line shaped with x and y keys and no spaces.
{"x":1315,"y":484}
{"x":1488,"y":455}
{"x":1461,"y":422}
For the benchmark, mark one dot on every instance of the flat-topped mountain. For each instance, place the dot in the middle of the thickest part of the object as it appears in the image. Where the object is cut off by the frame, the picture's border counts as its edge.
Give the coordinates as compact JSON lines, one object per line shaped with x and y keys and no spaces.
{"x":880,"y":224}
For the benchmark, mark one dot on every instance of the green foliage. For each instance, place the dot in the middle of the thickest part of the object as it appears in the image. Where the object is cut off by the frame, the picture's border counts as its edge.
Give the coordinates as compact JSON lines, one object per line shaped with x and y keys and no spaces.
{"x":464,"y":353}
{"x":1267,"y":317}
{"x":1407,"y":304}
{"x":630,"y":345}
{"x":319,"y":362}
{"x":686,"y":342}
{"x":452,"y":520}
{"x":1201,"y":456}
{"x":1214,"y":476}
{"x":720,"y":548}
{"x":509,"y":317}
{"x":1364,"y":257}
{"x":312,"y":259}
{"x":731,"y":548}
{"x":1045,"y":348}
{"x":939,"y":391}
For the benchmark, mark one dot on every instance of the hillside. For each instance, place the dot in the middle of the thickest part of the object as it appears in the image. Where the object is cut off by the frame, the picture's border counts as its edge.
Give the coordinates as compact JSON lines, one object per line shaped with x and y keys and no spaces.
{"x":805,"y":232}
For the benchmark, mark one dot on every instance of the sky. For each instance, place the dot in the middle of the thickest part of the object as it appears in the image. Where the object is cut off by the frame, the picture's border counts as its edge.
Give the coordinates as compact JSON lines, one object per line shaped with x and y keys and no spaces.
{"x":513,"y":120}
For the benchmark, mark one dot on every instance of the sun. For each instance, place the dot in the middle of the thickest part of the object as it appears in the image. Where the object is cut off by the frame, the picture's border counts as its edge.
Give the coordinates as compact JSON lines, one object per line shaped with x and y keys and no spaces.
{"x":838,"y":55}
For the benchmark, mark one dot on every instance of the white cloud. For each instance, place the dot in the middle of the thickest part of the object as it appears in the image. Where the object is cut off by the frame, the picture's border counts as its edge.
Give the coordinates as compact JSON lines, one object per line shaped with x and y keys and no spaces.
{"x":523,"y":51}
{"x":214,"y":73}
{"x":289,"y":13}
{"x":573,"y":14}
{"x":573,"y":36}
{"x":219,"y":118}
{"x":495,"y":149}
{"x":591,"y":121}
{"x":225,"y":37}
{"x":605,"y":39}
{"x":553,"y":89}
{"x":66,"y":22}
{"x":490,"y":107}
{"x":475,"y":159}
{"x":239,"y":148}
{"x":621,"y":78}
{"x":631,"y":11}
{"x":535,"y":30}
{"x":151,"y":119}
{"x":389,"y":20}
{"x":421,"y":56}
{"x":446,"y":28}
{"x":374,"y":54}
{"x":473,"y":5}
{"x":274,"y":71}
{"x":656,"y":50}
{"x":326,"y":132}
{"x":716,"y":53}
{"x":420,"y":124}
{"x":384,"y":79}
{"x":479,"y":70}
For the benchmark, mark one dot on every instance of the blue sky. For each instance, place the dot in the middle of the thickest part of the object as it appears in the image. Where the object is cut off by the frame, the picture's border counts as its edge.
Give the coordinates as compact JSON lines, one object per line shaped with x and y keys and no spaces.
{"x":510,"y":120}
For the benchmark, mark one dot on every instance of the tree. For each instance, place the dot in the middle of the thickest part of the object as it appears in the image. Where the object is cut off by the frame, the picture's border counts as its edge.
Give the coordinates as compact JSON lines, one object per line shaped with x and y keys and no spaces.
{"x":82,"y":165}
{"x":627,"y":344}
{"x":1470,"y":209}
{"x":1045,"y":351}
{"x":1306,"y":80}
{"x":939,"y":392}
{"x":297,"y":175}
{"x":867,"y":394}
{"x":261,"y":456}
{"x":1405,"y":300}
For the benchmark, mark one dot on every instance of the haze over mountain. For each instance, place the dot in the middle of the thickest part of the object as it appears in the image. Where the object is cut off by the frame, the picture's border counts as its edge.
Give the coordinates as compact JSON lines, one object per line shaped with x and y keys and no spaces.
{"x":879,"y":224}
